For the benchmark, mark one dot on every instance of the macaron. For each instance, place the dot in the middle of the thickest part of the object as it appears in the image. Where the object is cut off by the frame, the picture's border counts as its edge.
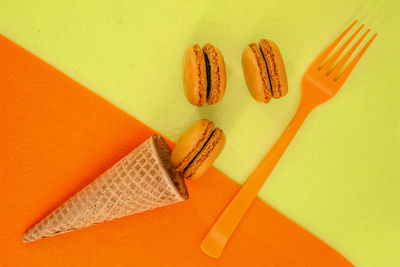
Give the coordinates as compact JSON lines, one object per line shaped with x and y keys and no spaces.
{"x":204,"y":75}
{"x":264,"y":71}
{"x":197,"y":149}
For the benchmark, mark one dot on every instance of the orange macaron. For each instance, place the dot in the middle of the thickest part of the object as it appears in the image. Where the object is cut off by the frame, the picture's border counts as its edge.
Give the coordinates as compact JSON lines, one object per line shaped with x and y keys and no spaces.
{"x":197,"y":149}
{"x":264,"y":71}
{"x":204,"y":74}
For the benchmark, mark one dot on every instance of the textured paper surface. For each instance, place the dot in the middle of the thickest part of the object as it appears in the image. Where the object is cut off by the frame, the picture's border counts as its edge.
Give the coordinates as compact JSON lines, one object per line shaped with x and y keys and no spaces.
{"x":57,"y":136}
{"x":339,"y":178}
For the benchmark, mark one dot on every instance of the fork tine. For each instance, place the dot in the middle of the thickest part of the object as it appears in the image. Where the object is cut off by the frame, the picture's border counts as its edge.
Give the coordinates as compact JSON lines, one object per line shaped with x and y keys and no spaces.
{"x":333,"y":59}
{"x":342,"y":78}
{"x":343,"y":61}
{"x":318,"y":61}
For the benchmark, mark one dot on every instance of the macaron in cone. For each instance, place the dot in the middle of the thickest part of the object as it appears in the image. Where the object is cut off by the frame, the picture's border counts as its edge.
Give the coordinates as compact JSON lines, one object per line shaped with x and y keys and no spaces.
{"x":197,"y":149}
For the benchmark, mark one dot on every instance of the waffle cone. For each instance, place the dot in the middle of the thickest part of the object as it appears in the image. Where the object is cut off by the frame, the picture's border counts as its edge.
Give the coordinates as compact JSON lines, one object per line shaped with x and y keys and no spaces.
{"x":142,"y":180}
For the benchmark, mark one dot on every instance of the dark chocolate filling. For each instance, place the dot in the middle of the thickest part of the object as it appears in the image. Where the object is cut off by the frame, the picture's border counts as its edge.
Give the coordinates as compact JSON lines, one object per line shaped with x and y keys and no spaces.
{"x":266,"y":65}
{"x":208,"y":71}
{"x":199,"y":151}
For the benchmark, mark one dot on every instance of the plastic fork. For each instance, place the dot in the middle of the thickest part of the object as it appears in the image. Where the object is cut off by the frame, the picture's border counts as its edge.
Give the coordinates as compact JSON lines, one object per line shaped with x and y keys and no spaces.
{"x":320,"y":83}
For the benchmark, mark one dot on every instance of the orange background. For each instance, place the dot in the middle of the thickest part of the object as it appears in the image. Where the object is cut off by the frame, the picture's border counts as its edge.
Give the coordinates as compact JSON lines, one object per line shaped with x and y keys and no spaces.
{"x":57,"y":136}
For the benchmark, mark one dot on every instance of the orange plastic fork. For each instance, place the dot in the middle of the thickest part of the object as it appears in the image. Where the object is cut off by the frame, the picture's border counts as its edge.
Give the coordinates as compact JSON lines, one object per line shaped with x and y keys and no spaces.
{"x":320,"y":83}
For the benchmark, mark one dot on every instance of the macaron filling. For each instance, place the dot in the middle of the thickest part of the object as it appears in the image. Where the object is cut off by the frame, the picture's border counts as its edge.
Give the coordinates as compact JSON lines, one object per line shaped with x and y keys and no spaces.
{"x":208,"y":72}
{"x":198,"y":153}
{"x":266,"y":65}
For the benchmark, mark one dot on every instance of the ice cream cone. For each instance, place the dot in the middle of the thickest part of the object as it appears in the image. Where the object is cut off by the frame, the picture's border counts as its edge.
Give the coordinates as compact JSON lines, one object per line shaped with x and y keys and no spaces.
{"x":142,"y":180}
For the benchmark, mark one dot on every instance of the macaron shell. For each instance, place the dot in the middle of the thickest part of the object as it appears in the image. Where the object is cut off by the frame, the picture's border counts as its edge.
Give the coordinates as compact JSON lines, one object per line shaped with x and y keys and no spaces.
{"x":190,"y":144}
{"x":276,"y":68}
{"x":195,"y":75}
{"x":255,"y":74}
{"x":217,"y":73}
{"x":207,"y":156}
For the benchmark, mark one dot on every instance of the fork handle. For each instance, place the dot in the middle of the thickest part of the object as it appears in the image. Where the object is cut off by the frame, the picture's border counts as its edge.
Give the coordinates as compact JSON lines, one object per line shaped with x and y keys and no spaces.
{"x":218,"y":236}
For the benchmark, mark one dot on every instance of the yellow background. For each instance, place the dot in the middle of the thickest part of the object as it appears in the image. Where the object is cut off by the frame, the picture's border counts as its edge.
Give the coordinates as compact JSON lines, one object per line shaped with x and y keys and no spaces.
{"x":340,"y":178}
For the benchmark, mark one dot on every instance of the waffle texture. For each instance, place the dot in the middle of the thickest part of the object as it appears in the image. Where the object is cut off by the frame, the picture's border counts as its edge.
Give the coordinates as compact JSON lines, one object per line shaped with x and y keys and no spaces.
{"x":140,"y":181}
